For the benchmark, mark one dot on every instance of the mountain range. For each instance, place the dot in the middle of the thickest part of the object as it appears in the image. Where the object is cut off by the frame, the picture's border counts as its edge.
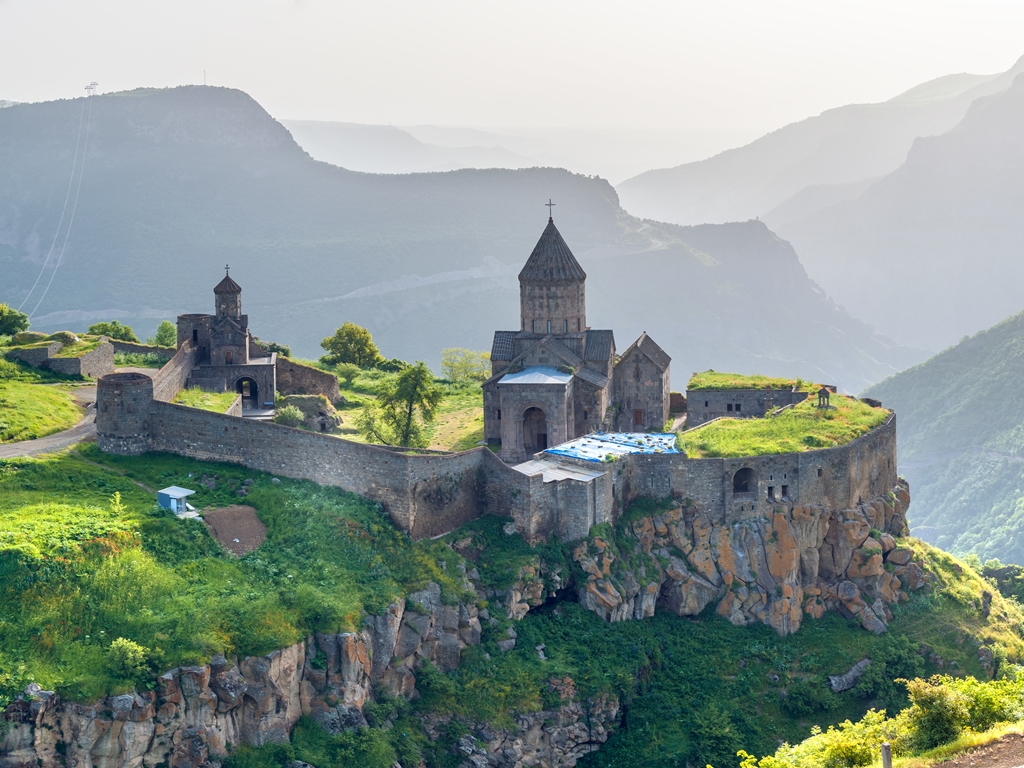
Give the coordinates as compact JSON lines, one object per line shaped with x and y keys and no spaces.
{"x":178,"y":182}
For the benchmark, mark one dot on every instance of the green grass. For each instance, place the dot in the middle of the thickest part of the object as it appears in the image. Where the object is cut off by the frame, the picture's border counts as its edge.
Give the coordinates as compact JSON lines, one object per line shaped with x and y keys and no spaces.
{"x":139,"y":360}
{"x":29,"y":410}
{"x":803,"y":427}
{"x":218,"y":402}
{"x":716,"y":380}
{"x":76,"y":572}
{"x":85,"y":345}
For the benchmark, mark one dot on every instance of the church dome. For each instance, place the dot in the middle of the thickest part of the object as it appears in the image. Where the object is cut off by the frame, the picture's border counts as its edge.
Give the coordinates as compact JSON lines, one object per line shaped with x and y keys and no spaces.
{"x":227,"y":285}
{"x":552,"y":261}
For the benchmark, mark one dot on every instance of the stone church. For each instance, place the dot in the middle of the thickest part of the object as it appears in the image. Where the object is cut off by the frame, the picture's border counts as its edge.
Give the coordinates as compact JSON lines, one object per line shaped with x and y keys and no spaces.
{"x":556,"y":379}
{"x":229,"y":359}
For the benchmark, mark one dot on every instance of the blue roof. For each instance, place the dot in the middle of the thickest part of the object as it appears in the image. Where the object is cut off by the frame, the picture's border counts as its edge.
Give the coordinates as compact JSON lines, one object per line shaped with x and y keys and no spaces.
{"x":538,"y":374}
{"x":175,"y":492}
{"x":600,"y":445}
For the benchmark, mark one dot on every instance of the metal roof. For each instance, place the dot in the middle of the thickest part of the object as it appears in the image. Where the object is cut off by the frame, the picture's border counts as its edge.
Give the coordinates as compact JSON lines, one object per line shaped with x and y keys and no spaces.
{"x":552,"y":261}
{"x":175,"y":492}
{"x":553,"y":471}
{"x":599,"y":346}
{"x":539,"y":374}
{"x":600,"y":446}
{"x":227,"y":285}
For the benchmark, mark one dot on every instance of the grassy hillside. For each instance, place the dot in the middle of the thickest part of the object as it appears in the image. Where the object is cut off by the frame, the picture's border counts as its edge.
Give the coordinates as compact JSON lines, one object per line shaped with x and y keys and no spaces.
{"x":33,"y":402}
{"x":177,"y":181}
{"x":74,"y":556}
{"x":961,"y":438}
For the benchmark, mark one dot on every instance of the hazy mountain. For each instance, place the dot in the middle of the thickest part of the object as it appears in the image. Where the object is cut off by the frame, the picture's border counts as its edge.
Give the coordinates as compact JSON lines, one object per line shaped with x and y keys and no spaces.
{"x":839,"y":146}
{"x":932,"y":251}
{"x":961,"y":442}
{"x":611,"y":154}
{"x":179,"y":182}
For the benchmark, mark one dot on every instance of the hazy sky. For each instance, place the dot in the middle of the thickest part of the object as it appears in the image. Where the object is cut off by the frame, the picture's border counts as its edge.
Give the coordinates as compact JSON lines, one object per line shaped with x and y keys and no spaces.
{"x":712,"y":64}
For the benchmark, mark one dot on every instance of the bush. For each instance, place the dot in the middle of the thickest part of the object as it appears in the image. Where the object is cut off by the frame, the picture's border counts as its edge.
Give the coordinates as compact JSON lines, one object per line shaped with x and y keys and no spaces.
{"x":166,"y":335}
{"x":12,"y":321}
{"x":289,"y":416}
{"x":115,"y":330}
{"x":127,"y":659}
{"x":347,"y":372}
{"x":805,"y":697}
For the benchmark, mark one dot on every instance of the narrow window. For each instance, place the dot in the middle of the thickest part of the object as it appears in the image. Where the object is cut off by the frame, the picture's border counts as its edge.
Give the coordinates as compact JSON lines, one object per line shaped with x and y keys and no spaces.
{"x":565,"y":326}
{"x":195,"y":336}
{"x":227,"y":357}
{"x":770,"y":478}
{"x":499,"y":414}
{"x":729,"y":407}
{"x":638,"y":418}
{"x":578,"y":324}
{"x":586,"y":416}
{"x":549,"y":326}
{"x":705,"y":403}
{"x":785,"y":491}
{"x":784,"y":475}
{"x":738,"y":408}
{"x":771,"y":492}
{"x":819,"y":471}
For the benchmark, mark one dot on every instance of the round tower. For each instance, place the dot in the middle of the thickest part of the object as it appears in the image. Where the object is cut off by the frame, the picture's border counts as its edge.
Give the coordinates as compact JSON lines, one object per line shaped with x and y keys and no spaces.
{"x":552,"y":294}
{"x":122,"y":412}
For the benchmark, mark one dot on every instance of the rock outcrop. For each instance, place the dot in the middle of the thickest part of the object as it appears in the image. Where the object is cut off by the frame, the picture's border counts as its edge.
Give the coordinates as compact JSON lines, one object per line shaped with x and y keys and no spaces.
{"x":800,"y":561}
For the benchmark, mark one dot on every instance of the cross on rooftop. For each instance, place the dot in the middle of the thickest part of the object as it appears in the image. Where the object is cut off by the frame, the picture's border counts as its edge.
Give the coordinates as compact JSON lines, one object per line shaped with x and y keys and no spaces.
{"x":227,"y":269}
{"x":550,"y":205}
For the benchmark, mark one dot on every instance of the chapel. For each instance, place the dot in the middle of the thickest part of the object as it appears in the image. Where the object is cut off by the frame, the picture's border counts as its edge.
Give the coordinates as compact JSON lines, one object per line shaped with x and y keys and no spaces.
{"x":556,"y":379}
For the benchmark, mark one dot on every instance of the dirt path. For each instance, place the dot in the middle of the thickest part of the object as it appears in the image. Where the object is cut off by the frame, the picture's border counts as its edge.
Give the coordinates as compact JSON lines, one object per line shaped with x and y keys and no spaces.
{"x":1007,"y":752}
{"x":238,"y":529}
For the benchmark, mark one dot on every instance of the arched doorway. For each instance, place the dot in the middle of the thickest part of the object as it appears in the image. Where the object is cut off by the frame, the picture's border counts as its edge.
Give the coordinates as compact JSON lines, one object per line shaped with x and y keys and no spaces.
{"x":249,"y":391}
{"x":535,"y":430}
{"x":744,"y":481}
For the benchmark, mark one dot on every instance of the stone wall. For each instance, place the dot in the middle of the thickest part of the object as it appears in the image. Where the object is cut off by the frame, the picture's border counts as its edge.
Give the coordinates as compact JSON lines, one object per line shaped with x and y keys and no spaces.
{"x":703,"y":405}
{"x":96,"y":363}
{"x":170,"y":379}
{"x":294,"y":378}
{"x":639,"y":385}
{"x":37,"y":355}
{"x":142,"y":349}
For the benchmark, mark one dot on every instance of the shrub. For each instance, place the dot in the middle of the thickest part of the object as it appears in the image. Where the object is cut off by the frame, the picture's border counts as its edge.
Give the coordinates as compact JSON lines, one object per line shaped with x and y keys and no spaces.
{"x":347,"y":372}
{"x":12,"y":321}
{"x":115,"y":330}
{"x":127,"y":659}
{"x":805,"y":697}
{"x":939,"y":712}
{"x":289,"y":416}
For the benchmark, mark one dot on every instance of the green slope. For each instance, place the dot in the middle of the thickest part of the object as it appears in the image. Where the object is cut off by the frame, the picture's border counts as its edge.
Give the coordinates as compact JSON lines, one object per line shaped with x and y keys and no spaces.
{"x":178,"y":182}
{"x":961,"y":442}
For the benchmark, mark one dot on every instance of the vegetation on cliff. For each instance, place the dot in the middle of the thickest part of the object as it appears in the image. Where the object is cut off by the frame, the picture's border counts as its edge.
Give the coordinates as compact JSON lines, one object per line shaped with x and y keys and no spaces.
{"x":717,"y":380}
{"x":804,"y":427}
{"x":961,"y":436}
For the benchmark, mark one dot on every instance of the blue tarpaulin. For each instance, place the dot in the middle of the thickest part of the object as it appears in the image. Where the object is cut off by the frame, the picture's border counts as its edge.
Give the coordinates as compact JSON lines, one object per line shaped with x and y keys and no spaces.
{"x":602,"y":446}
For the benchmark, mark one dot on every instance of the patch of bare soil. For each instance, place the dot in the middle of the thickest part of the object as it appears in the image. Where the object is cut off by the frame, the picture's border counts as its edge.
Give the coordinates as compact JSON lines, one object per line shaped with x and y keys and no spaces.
{"x":1007,"y":752}
{"x":238,"y":529}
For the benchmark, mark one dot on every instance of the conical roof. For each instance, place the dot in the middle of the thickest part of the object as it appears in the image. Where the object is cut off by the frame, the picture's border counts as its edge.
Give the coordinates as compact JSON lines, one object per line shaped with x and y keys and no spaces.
{"x":552,"y":261}
{"x":227,"y":285}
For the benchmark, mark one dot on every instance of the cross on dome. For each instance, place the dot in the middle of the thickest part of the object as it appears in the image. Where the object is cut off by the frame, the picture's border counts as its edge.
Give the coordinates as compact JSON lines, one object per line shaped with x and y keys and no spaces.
{"x":550,"y":205}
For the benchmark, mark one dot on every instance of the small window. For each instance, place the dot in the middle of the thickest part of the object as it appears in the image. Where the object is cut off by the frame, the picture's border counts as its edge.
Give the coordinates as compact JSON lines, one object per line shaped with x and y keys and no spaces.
{"x":785,"y":491}
{"x":578,"y":324}
{"x":819,"y":471}
{"x":565,"y":326}
{"x":586,"y":415}
{"x":227,"y":357}
{"x":705,"y":403}
{"x":499,"y":414}
{"x":729,"y":407}
{"x":770,"y":478}
{"x":638,"y":418}
{"x":549,"y":326}
{"x":783,"y":475}
{"x":738,"y":408}
{"x":771,"y":492}
{"x":195,"y":336}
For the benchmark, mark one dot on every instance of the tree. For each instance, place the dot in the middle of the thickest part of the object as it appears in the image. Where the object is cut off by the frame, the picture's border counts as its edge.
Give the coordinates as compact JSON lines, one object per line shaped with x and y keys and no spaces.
{"x":166,"y":335}
{"x":12,"y":321}
{"x":351,"y":344}
{"x":347,"y":372}
{"x":115,"y":330}
{"x":289,"y":415}
{"x":461,"y":366}
{"x":403,"y":405}
{"x":272,"y":346}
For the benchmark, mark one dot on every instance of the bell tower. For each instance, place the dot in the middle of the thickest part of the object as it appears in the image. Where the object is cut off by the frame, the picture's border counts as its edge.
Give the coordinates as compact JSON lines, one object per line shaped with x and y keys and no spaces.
{"x":552,"y":294}
{"x":228,"y":296}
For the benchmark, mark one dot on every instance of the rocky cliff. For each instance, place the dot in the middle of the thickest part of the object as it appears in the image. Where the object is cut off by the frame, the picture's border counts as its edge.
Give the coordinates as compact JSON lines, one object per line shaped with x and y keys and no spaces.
{"x":801,"y":561}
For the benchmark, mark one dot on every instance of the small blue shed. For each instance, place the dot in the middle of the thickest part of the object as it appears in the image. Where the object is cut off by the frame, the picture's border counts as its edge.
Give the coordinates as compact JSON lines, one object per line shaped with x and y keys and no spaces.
{"x":173,"y":498}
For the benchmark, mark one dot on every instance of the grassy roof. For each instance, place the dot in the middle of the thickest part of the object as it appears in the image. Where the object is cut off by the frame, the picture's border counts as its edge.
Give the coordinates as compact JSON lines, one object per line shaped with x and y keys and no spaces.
{"x":716,"y":380}
{"x":218,"y":402}
{"x":803,"y":427}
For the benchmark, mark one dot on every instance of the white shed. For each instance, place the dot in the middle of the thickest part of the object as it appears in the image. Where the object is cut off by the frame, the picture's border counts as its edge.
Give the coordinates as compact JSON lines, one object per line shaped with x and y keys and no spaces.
{"x":173,"y":498}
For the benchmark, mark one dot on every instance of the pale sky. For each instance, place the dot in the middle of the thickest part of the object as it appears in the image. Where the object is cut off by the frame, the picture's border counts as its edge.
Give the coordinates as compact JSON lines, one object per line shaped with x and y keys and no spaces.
{"x":712,"y":64}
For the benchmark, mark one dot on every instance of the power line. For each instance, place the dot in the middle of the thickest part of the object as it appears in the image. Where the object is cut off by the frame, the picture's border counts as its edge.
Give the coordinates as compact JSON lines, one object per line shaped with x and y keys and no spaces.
{"x":67,"y":196}
{"x":90,"y":88}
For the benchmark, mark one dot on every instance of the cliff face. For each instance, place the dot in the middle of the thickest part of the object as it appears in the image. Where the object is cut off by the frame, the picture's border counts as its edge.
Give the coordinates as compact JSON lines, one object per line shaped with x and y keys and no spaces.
{"x":196,"y":714}
{"x":775,"y":570}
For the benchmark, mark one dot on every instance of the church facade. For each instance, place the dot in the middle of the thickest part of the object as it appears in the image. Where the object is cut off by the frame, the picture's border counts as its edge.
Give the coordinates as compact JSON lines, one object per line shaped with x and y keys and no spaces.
{"x":228,"y":359}
{"x":556,"y":379}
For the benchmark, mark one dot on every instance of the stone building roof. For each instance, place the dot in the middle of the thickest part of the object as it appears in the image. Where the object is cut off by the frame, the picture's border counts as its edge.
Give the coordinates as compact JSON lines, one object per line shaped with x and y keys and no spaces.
{"x":227,"y":285}
{"x":599,"y":346}
{"x":552,"y":261}
{"x":648,"y":346}
{"x":504,"y":345}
